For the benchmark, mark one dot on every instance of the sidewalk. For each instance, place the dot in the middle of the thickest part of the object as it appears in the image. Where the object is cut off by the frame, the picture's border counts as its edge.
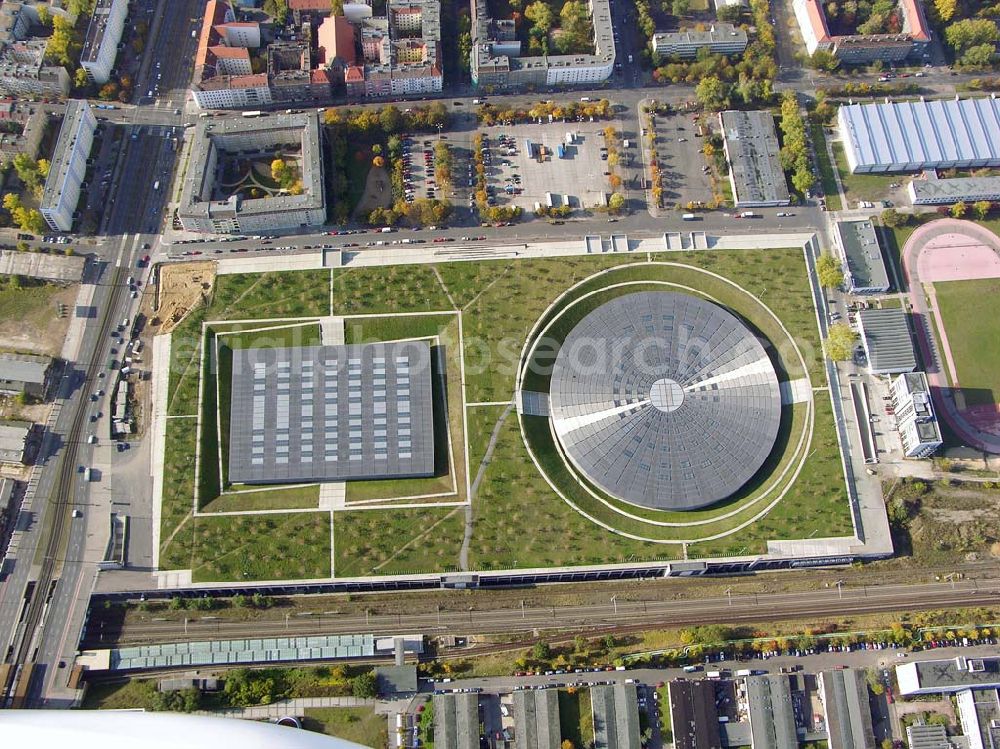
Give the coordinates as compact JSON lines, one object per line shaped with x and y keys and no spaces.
{"x":289,"y":707}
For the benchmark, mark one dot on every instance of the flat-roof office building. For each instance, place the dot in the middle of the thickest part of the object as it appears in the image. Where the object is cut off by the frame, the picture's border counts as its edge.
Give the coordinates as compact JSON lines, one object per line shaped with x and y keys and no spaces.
{"x":751,"y":146}
{"x":915,"y":420}
{"x":934,"y":191}
{"x":910,"y":136}
{"x":862,"y":255}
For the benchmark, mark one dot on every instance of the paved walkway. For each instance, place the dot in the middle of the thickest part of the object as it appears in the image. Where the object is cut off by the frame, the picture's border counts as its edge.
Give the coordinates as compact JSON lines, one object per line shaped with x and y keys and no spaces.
{"x":943,"y":394}
{"x":290,"y":707}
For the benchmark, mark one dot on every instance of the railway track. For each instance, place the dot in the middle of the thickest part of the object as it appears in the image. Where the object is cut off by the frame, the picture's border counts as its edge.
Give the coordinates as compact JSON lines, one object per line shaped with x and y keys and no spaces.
{"x":24,"y":653}
{"x":621,"y":617}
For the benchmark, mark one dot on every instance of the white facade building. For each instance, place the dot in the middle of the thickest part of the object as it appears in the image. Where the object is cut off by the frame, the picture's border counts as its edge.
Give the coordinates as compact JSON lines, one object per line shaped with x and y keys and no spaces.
{"x":233,"y":93}
{"x":69,"y":165}
{"x":103,"y":35}
{"x":720,"y":39}
{"x":915,"y":419}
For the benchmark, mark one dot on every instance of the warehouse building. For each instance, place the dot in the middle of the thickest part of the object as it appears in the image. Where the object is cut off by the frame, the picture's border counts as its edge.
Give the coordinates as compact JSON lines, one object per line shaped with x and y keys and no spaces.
{"x":719,"y":39}
{"x":616,"y":717}
{"x":862,"y":255}
{"x":915,"y":135}
{"x":948,"y":676}
{"x":772,"y":715}
{"x":751,"y":146}
{"x":207,"y":206}
{"x":934,"y":191}
{"x":848,"y":715}
{"x":23,"y":373}
{"x":456,"y":721}
{"x":694,"y":715}
{"x":331,"y":413}
{"x":69,"y":166}
{"x":536,"y":718}
{"x":885,"y":336}
{"x":915,"y":419}
{"x":13,"y":440}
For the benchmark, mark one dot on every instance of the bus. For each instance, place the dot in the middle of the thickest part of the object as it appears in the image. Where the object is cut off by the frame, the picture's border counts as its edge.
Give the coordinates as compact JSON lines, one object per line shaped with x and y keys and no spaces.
{"x":254,"y":113}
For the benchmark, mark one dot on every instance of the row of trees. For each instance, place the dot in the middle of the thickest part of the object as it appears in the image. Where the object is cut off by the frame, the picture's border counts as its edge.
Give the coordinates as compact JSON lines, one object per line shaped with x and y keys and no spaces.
{"x":490,"y":114}
{"x":794,"y":148}
{"x":421,"y":212}
{"x":389,"y":119}
{"x":443,"y":165}
{"x":487,"y":212}
{"x":287,"y":176}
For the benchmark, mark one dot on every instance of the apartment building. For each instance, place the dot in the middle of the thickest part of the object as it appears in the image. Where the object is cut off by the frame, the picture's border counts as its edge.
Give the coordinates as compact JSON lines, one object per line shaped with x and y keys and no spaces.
{"x":207,"y":206}
{"x":24,"y":72}
{"x":719,"y":39}
{"x":100,"y":48}
{"x":497,"y":60}
{"x":858,"y":49}
{"x":69,"y":165}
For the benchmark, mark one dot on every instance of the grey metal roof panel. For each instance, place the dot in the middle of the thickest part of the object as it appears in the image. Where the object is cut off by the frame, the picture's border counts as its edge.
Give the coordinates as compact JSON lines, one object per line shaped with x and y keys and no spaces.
{"x":887,"y":339}
{"x":664,"y":400}
{"x":331,"y":413}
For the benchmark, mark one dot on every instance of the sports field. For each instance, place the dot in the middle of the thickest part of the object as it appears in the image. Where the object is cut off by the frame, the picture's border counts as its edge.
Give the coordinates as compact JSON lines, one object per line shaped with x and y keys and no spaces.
{"x":969,"y":311}
{"x":480,"y":314}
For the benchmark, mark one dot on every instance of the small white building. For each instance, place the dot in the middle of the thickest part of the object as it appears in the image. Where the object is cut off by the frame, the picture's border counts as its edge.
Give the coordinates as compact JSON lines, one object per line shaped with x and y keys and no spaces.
{"x":948,"y":676}
{"x":918,"y":426}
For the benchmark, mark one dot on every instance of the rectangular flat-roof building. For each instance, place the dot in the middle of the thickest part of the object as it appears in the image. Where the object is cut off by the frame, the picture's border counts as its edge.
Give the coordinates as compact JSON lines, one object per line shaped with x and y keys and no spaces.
{"x":58,"y":268}
{"x":331,"y":413}
{"x":23,"y":373}
{"x":103,"y":34}
{"x":718,"y":39}
{"x":846,"y":709}
{"x":616,"y":717}
{"x":772,"y":717}
{"x":946,"y":676}
{"x":885,"y":336}
{"x":927,"y":737}
{"x":693,"y":714}
{"x":934,"y":191}
{"x":979,"y":715}
{"x":862,"y":255}
{"x":536,"y":719}
{"x":69,"y":166}
{"x":909,"y":136}
{"x":915,"y":419}
{"x":13,"y":439}
{"x":456,"y":721}
{"x":751,"y":146}
{"x":207,"y":206}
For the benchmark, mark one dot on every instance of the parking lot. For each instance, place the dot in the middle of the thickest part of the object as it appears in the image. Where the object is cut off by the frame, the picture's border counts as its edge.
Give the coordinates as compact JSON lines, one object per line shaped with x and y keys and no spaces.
{"x":523,"y":179}
{"x":685,"y":177}
{"x":419,"y":177}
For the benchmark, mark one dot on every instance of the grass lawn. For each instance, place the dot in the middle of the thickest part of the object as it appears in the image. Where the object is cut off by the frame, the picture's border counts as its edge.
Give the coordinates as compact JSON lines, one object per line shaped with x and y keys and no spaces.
{"x":969,"y":310}
{"x":860,"y":186}
{"x":827,"y":177}
{"x":361,"y":725}
{"x":518,"y":521}
{"x":262,"y":547}
{"x":292,"y":498}
{"x":663,"y":705}
{"x":397,"y":542}
{"x":576,"y":717}
{"x":127,"y":694}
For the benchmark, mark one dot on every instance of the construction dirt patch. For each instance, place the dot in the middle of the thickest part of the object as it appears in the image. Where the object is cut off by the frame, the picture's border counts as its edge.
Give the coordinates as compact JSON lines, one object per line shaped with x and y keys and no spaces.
{"x":182,"y":287}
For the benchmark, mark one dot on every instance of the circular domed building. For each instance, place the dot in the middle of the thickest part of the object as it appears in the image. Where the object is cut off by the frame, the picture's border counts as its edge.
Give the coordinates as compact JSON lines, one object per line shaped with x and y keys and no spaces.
{"x":664,"y":400}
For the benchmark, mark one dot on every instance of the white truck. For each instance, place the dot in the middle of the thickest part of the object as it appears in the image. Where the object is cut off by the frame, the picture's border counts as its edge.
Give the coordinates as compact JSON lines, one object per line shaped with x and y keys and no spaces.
{"x":688,"y":217}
